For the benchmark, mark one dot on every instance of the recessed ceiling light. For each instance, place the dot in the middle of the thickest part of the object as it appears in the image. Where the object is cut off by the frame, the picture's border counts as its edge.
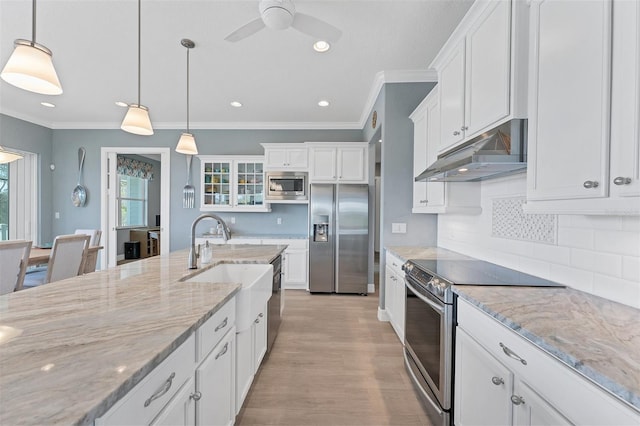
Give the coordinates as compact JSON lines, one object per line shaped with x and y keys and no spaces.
{"x":321,"y":46}
{"x":122,"y":104}
{"x":323,"y":103}
{"x":379,"y":140}
{"x":462,"y":170}
{"x":236,"y":104}
{"x":47,"y":104}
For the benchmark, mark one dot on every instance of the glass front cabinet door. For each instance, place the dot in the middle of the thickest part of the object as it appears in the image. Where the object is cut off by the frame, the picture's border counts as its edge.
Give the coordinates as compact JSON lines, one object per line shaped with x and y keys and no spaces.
{"x":232,"y":183}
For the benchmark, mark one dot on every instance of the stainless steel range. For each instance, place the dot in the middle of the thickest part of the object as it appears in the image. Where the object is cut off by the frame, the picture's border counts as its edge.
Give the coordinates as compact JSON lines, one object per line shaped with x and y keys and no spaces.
{"x":430,"y":322}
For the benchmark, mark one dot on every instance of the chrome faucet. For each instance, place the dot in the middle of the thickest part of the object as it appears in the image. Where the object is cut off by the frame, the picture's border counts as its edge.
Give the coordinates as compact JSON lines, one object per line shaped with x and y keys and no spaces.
{"x":193,"y":254}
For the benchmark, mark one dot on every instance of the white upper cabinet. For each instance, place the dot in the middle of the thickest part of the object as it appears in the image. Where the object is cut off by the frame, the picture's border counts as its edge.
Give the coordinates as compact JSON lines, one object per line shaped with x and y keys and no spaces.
{"x":584,"y":149}
{"x":341,"y":163}
{"x":436,"y":197}
{"x":482,"y":71}
{"x":286,"y":156}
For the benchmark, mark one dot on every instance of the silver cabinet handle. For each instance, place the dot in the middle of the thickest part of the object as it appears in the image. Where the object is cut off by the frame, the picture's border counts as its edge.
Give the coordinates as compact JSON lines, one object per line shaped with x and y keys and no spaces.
{"x":497,"y":380}
{"x":261,"y":315}
{"x":517,"y":400}
{"x":512,"y":354}
{"x":223,"y":324}
{"x":195,"y":396}
{"x":464,"y":128}
{"x":424,"y":201}
{"x":456,"y":133}
{"x":622,"y":180}
{"x":161,"y":391}
{"x":223,"y":351}
{"x":590,"y":184}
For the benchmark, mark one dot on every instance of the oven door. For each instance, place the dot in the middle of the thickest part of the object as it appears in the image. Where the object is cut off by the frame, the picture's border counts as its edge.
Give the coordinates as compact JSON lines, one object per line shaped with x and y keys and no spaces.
{"x":428,"y":340}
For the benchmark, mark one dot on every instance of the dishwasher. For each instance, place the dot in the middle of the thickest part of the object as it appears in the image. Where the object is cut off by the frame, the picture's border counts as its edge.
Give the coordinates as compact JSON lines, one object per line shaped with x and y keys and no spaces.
{"x":273,"y":310}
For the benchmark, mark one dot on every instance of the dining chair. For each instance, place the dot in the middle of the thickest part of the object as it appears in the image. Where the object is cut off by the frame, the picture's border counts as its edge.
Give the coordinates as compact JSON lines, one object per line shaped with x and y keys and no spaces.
{"x":95,"y":235}
{"x":68,"y":256}
{"x":14,"y":256}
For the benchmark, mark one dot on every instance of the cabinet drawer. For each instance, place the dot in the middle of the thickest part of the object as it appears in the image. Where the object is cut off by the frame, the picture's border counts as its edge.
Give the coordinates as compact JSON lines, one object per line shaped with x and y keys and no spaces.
{"x":574,"y":396}
{"x":214,"y":329}
{"x":143,"y":403}
{"x":395,"y":263}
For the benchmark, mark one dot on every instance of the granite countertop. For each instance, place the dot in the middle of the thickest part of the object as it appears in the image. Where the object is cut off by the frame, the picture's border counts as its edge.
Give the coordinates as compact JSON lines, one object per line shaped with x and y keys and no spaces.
{"x":70,"y":349}
{"x":415,"y":252}
{"x":598,"y":338}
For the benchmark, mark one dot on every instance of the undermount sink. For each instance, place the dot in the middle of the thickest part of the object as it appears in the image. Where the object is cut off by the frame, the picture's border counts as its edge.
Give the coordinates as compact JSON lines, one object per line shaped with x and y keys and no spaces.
{"x":256,"y":280}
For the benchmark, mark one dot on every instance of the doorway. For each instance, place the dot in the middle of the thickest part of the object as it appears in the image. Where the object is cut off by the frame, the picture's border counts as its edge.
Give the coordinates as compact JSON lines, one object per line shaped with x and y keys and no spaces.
{"x":109,"y":209}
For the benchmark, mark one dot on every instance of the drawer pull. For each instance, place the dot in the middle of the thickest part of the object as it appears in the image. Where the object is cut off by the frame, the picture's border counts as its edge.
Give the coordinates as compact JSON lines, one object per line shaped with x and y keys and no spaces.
{"x":161,"y":391}
{"x":512,"y":354}
{"x":223,"y":351}
{"x":223,"y":324}
{"x":196,"y":396}
{"x":517,"y":400}
{"x":497,"y":380}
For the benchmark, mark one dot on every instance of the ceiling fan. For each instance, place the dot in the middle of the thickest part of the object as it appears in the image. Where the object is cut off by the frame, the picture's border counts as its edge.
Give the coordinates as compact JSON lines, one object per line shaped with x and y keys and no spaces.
{"x":280,"y":15}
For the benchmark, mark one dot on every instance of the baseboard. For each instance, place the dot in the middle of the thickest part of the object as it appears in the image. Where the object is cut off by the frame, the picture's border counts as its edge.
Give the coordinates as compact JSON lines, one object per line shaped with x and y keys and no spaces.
{"x":302,"y":286}
{"x":120,"y":257}
{"x":371,"y":288}
{"x":382,"y":315}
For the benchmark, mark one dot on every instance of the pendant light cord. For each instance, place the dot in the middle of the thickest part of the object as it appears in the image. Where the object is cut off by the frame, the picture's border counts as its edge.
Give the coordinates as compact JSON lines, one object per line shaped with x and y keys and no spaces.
{"x":33,"y":22}
{"x":188,"y":90}
{"x":139,"y":61}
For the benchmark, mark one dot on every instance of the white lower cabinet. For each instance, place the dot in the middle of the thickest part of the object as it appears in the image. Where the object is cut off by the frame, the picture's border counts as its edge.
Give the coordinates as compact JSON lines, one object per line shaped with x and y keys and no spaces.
{"x":215,"y":382}
{"x":180,"y":410}
{"x":503,"y":379}
{"x":252,"y":347}
{"x":395,"y":294}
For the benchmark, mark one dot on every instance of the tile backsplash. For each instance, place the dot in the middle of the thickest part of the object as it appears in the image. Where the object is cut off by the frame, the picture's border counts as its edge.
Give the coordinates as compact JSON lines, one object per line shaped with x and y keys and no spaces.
{"x":595,"y":254}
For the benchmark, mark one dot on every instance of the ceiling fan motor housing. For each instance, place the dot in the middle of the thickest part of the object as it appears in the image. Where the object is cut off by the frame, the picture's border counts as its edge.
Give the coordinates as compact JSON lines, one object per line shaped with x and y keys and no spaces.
{"x":277,"y":14}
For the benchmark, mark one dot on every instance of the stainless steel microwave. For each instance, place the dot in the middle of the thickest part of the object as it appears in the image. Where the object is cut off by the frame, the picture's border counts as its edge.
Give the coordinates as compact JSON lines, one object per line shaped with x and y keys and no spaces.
{"x":286,"y":186}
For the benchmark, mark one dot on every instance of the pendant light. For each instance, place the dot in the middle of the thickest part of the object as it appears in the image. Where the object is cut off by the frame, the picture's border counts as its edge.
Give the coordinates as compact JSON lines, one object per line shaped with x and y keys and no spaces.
{"x":187,"y":143}
{"x":30,"y":66}
{"x":8,"y":156}
{"x":137,"y":120}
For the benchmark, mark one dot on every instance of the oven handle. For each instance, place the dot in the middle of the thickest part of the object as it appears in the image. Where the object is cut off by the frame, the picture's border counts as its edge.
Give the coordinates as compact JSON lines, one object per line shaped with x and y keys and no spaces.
{"x":422,"y":391}
{"x":434,"y":305}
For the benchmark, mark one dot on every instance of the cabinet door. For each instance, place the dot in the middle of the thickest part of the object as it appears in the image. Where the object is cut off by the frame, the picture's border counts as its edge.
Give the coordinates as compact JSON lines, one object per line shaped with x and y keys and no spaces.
{"x":298,"y":158}
{"x":323,"y":164}
{"x":569,"y":98}
{"x":529,"y":408}
{"x":295,"y":268}
{"x":244,"y":365}
{"x":488,"y":66}
{"x":389,"y":295}
{"x":452,"y":99}
{"x":215,"y":380}
{"x":482,"y":385}
{"x":275,"y":157}
{"x":399,"y":302}
{"x":249,"y":184}
{"x":217,"y":184}
{"x":420,"y":161}
{"x":259,"y":338}
{"x":625,"y":101}
{"x":180,"y":411}
{"x":435,"y":190}
{"x":352,"y":165}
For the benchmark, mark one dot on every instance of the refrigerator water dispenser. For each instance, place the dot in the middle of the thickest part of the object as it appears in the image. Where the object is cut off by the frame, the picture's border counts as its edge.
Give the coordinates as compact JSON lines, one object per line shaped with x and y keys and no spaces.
{"x":321,"y":229}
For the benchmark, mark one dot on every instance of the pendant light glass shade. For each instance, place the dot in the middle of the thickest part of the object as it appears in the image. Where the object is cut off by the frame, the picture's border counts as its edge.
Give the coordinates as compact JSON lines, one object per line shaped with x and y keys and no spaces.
{"x":137,"y":121}
{"x":8,"y":156}
{"x":187,"y":144}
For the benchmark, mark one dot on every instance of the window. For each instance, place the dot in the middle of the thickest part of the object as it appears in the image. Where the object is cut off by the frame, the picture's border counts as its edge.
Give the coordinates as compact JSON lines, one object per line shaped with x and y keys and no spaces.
{"x":4,"y":202}
{"x":132,"y":201}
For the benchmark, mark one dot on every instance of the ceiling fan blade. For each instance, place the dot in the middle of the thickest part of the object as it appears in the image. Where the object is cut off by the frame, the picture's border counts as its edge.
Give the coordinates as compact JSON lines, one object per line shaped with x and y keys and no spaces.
{"x":315,"y":27}
{"x":246,"y":30}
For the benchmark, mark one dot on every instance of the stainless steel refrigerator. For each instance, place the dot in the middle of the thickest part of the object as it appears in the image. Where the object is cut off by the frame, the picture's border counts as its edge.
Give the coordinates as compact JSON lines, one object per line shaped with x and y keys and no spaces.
{"x":338,"y":238}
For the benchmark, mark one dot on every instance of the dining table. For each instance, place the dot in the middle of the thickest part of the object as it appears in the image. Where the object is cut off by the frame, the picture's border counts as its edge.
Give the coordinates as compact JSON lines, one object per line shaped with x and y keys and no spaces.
{"x":40,"y":255}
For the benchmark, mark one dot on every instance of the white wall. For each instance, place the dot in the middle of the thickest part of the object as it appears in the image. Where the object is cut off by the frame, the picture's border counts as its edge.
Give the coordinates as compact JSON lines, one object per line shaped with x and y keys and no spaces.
{"x":596,"y":254}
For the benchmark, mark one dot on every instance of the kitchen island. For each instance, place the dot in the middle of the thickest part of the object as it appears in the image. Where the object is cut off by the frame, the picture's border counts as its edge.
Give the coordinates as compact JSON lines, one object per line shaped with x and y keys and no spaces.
{"x":69,"y":350}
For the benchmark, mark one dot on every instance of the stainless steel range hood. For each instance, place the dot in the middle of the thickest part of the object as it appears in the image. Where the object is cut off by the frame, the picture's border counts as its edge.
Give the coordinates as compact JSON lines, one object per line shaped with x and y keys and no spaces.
{"x":498,"y":152}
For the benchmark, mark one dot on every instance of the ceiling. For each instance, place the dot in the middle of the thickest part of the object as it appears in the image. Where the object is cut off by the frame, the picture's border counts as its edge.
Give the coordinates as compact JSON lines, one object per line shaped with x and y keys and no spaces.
{"x":275,"y":74}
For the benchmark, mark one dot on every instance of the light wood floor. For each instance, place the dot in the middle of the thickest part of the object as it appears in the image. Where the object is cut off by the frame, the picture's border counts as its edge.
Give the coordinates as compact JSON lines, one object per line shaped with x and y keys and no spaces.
{"x":333,"y":363}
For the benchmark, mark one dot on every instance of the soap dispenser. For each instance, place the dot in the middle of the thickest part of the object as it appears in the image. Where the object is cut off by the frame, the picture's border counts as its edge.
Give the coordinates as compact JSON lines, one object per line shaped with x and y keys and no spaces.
{"x":206,"y":253}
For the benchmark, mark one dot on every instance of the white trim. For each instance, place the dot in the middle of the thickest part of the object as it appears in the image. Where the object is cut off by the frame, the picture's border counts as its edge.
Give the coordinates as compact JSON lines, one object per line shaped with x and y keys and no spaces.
{"x":165,"y":202}
{"x":24,"y":190}
{"x":383,"y":315}
{"x":371,"y":288}
{"x":380,"y":79}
